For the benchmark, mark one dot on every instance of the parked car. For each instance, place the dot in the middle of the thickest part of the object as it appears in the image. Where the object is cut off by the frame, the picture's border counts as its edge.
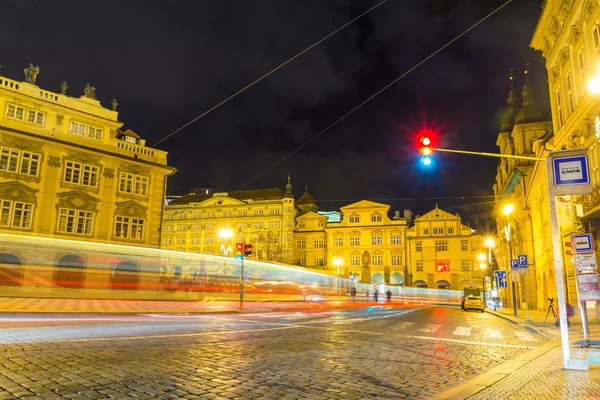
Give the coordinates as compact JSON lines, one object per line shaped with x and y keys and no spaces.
{"x":474,"y":303}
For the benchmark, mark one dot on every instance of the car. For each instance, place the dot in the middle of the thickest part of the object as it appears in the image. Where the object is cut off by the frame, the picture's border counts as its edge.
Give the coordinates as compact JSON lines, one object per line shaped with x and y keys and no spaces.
{"x":490,"y":303}
{"x":474,"y":303}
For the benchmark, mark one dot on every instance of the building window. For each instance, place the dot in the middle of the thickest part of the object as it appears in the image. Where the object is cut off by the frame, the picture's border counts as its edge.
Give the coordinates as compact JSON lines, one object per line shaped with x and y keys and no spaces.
{"x":319,"y":262}
{"x":167,"y":240}
{"x":596,"y":38}
{"x":419,"y":266}
{"x":464,"y":245}
{"x":302,"y":262}
{"x":36,"y":117}
{"x":450,"y":230}
{"x":80,"y":129}
{"x":209,"y":240}
{"x":274,"y":211}
{"x":338,"y":241}
{"x":559,"y":109}
{"x":22,"y":162}
{"x":242,"y":225}
{"x":196,"y":214}
{"x":14,"y":214}
{"x":319,"y":244}
{"x":15,"y":112}
{"x":129,"y":228}
{"x":355,"y":261}
{"x":274,"y":225}
{"x":441,"y":246}
{"x":465,"y":266}
{"x":354,"y":240}
{"x":209,"y":227}
{"x":181,"y":227}
{"x":376,"y":218}
{"x":258,"y":225}
{"x":259,"y":211}
{"x":196,"y":227}
{"x":425,"y":231}
{"x":570,"y":94}
{"x":377,"y":260}
{"x":130,"y":183}
{"x":75,"y":221}
{"x":395,"y":239}
{"x":81,"y":174}
{"x":321,"y":224}
{"x":418,"y":246}
{"x":396,"y":259}
{"x":474,"y":245}
{"x":438,"y":231}
{"x":168,"y":228}
{"x":180,"y":240}
{"x":582,"y":72}
{"x":242,"y":213}
{"x":210,"y":214}
{"x":376,"y":240}
{"x":301,"y":244}
{"x":354,"y":219}
{"x":227,"y":213}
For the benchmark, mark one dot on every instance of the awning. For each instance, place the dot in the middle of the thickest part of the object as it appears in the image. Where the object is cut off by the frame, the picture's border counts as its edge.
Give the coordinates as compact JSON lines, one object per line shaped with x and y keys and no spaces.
{"x":512,"y":182}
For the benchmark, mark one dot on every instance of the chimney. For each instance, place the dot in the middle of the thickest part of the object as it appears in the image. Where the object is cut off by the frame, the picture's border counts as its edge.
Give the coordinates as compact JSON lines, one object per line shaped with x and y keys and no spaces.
{"x":397,"y":215}
{"x":409,"y":216}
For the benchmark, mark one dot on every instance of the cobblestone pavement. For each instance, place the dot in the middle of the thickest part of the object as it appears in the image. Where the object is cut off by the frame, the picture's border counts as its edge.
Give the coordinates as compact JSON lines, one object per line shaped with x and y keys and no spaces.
{"x":371,"y":352}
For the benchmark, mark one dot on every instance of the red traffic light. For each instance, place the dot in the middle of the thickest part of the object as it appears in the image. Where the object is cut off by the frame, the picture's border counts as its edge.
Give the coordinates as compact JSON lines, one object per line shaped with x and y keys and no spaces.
{"x":441,"y":268}
{"x":240,"y":246}
{"x":247,"y":250}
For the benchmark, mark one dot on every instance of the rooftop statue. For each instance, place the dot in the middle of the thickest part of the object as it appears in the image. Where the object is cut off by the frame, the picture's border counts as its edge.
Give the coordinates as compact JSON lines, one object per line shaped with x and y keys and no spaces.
{"x":89,"y":91}
{"x":31,"y":73}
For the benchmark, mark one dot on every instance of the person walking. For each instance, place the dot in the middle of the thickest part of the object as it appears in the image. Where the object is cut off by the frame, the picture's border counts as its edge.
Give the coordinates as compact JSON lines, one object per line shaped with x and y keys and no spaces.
{"x":353,"y":293}
{"x":389,"y":295}
{"x":376,"y":295}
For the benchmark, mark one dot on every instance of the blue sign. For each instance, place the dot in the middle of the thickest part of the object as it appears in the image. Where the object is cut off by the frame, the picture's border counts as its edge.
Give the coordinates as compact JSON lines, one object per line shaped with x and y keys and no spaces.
{"x":514,"y":264}
{"x":572,"y":170}
{"x":522,"y":261}
{"x":582,"y":243}
{"x":501,"y":281}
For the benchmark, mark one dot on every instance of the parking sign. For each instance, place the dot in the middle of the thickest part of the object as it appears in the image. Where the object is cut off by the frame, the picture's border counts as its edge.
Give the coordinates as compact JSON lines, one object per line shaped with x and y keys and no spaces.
{"x":522,"y":261}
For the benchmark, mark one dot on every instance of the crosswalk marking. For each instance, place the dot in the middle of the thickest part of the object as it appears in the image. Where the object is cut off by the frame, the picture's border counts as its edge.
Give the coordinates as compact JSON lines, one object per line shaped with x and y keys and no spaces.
{"x":462,"y":331}
{"x":493,"y":333}
{"x":404,"y":325}
{"x":430,"y":328}
{"x":524,"y":336}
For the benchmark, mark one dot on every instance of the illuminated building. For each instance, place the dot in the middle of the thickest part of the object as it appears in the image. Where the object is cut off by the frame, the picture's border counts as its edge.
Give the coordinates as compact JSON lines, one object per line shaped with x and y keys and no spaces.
{"x":68,"y":171}
{"x":213,"y":223}
{"x":443,"y":252}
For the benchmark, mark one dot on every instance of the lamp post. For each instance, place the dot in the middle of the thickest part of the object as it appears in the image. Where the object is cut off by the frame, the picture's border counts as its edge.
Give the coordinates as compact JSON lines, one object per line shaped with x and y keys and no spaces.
{"x":507,"y":210}
{"x":225,"y":235}
{"x":338,"y":263}
{"x":490,"y":242}
{"x":482,"y":258}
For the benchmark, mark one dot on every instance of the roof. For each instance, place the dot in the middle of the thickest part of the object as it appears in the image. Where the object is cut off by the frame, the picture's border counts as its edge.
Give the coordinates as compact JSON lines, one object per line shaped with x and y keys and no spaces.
{"x":305,"y":199}
{"x":258,"y":194}
{"x":128,"y":132}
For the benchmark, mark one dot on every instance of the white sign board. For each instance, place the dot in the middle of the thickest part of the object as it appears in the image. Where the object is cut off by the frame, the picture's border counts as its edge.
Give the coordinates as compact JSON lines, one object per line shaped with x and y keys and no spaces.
{"x":582,"y":243}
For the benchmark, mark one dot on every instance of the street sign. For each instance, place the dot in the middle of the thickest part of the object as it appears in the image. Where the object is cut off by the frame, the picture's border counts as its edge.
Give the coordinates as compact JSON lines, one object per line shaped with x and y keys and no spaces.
{"x":582,"y":243}
{"x":514,"y":270}
{"x":501,"y":281}
{"x":571,"y":170}
{"x":514,"y":263}
{"x":585,"y":263}
{"x":522,"y":261}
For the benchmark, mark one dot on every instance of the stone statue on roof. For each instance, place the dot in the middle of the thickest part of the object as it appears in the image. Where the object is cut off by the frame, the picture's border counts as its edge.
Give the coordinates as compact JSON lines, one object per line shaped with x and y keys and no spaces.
{"x":89,"y":91}
{"x":31,"y":73}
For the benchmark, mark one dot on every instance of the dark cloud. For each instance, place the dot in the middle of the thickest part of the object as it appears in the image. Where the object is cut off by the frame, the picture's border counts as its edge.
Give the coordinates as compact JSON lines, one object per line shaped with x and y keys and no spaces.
{"x":167,"y":62}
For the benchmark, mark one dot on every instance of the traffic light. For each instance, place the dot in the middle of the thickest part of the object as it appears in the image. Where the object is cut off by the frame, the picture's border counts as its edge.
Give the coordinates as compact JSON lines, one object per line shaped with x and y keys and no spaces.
{"x":239,"y":254}
{"x":247,"y":250}
{"x":442,"y":268}
{"x":426,"y":150}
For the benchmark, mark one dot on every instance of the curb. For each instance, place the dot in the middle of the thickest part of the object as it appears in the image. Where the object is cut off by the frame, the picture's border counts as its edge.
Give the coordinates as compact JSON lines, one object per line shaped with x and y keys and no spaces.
{"x":496,"y":374}
{"x":522,"y":325}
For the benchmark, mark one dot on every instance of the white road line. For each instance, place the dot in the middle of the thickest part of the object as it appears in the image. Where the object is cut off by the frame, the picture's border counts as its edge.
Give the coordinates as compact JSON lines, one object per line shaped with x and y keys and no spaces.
{"x":493,"y":333}
{"x":524,"y":336}
{"x":462,"y":331}
{"x":488,"y":344}
{"x":430,"y":328}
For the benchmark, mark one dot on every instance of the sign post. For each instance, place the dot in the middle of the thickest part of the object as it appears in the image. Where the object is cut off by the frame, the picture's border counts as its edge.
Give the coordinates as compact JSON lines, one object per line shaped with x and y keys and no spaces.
{"x":523,"y":264}
{"x":568,"y":173}
{"x":586,"y":275}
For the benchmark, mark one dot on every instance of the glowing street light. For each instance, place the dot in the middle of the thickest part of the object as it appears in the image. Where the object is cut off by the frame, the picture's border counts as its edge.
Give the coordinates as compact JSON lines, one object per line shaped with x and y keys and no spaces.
{"x":594,"y":83}
{"x":225,"y":234}
{"x":508,"y":209}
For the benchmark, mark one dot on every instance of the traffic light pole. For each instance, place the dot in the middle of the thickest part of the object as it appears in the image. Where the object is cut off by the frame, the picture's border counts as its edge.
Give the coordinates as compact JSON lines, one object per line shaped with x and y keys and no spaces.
{"x":242,"y":287}
{"x":477,"y":153}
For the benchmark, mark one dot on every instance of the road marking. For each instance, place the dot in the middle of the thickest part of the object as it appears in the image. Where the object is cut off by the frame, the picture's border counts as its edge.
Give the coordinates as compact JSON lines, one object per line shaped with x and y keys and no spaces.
{"x":462,"y":331}
{"x":488,"y":344}
{"x":493,"y":333}
{"x":524,"y":336}
{"x":430,"y":328}
{"x":404,"y":325}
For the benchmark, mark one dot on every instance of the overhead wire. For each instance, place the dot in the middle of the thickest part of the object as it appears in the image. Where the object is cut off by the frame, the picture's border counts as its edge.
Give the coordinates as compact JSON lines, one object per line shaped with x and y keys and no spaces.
{"x":267,"y":74}
{"x":376,"y":94}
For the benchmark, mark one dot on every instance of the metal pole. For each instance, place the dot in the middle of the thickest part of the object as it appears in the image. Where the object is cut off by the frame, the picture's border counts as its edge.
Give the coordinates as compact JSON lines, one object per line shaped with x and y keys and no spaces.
{"x":477,"y":153}
{"x":514,"y":291}
{"x":242,"y":287}
{"x":527,"y":295}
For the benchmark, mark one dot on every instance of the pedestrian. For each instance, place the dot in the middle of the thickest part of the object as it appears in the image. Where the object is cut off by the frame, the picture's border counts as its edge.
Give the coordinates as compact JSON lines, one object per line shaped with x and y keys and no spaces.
{"x":353,"y":293}
{"x":375,"y":295}
{"x":389,"y":295}
{"x":367,"y":296}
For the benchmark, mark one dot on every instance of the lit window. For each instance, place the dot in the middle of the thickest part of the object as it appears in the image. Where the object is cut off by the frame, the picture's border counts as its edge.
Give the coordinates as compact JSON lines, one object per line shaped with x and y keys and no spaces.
{"x":570,"y":94}
{"x":274,"y":224}
{"x":180,"y":240}
{"x":14,"y":214}
{"x":80,"y":129}
{"x":15,"y":112}
{"x":258,"y":225}
{"x":168,"y":228}
{"x":354,"y":218}
{"x":209,"y":239}
{"x":135,"y":184}
{"x":319,"y":262}
{"x":441,"y":246}
{"x":274,"y":211}
{"x":301,"y":244}
{"x":559,"y":107}
{"x":376,"y":240}
{"x":396,"y":239}
{"x":81,"y":174}
{"x":319,"y":244}
{"x":438,"y":231}
{"x":259,"y":211}
{"x":209,"y":227}
{"x":464,"y":245}
{"x":354,"y":240}
{"x":23,"y":162}
{"x":418,"y":246}
{"x":75,"y":221}
{"x":227,"y":213}
{"x":376,"y":218}
{"x":465,"y":266}
{"x":355,"y":261}
{"x":242,"y":213}
{"x":35,"y":117}
{"x":167,"y":240}
{"x":582,"y":71}
{"x":396,"y":259}
{"x":419,"y":266}
{"x":129,"y":228}
{"x":338,"y":241}
{"x":377,"y":260}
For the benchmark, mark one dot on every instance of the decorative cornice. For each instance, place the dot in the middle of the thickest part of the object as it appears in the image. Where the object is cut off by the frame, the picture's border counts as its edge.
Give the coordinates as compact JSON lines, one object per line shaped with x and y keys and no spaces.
{"x":54,"y":161}
{"x":131,"y":209}
{"x":109,"y":173}
{"x":83,"y":158}
{"x":78,"y":200}
{"x":17,"y":191}
{"x":576,"y":32}
{"x":589,"y":9}
{"x":21,"y":144}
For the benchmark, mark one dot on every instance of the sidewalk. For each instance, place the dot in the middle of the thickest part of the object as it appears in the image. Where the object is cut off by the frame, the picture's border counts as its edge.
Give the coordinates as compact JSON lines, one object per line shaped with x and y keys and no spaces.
{"x":539,"y":373}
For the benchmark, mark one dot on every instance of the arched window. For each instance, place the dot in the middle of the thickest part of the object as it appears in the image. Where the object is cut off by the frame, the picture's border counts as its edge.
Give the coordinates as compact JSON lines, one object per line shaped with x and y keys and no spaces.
{"x":70,"y":272}
{"x":125,"y":276}
{"x":11,"y":271}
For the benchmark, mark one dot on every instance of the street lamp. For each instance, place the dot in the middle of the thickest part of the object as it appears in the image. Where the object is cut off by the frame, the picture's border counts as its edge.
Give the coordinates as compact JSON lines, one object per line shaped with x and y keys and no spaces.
{"x":481,"y":257}
{"x":507,"y":210}
{"x":337,"y":263}
{"x":594,"y":83}
{"x":225,"y":234}
{"x":490,"y":242}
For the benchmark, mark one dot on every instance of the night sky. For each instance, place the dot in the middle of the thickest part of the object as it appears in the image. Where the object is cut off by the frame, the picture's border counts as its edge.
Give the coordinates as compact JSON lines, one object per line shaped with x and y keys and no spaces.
{"x":166,"y":62}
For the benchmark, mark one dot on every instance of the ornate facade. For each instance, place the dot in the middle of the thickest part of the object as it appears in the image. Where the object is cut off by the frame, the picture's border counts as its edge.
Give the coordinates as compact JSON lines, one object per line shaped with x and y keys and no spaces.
{"x":67,"y":170}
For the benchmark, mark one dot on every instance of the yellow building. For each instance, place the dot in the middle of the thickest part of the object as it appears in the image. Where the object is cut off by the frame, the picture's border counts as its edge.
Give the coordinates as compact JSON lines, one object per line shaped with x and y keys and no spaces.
{"x":214,"y":223}
{"x":443,"y":252}
{"x":568,"y":36}
{"x":67,"y":171}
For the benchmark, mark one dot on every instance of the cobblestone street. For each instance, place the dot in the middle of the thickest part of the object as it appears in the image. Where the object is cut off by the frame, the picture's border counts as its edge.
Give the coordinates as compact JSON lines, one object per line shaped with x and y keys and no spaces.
{"x":367,"y":352}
